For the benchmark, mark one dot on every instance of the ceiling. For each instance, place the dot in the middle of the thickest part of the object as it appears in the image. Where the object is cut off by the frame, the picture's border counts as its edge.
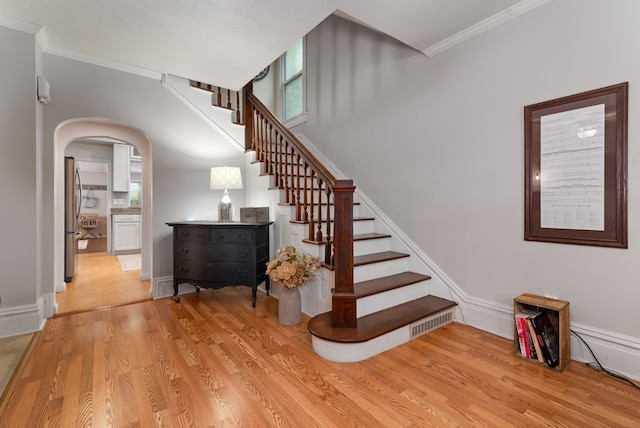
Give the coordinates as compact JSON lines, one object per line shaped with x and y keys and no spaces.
{"x":226,"y":43}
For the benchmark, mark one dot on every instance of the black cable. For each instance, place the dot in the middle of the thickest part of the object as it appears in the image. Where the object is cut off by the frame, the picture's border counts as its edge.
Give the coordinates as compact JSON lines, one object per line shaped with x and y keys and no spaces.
{"x":601,"y":367}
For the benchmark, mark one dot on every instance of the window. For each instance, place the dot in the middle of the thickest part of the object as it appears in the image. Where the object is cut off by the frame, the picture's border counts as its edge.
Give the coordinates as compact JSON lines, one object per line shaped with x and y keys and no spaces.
{"x":293,"y":96}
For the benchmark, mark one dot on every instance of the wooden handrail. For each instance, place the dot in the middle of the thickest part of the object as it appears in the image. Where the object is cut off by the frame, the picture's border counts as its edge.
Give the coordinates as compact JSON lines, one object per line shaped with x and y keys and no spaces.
{"x":314,"y":191}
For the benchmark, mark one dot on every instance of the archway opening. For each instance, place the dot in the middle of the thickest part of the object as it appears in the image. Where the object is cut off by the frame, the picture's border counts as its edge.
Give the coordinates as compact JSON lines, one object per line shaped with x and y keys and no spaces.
{"x":96,"y":128}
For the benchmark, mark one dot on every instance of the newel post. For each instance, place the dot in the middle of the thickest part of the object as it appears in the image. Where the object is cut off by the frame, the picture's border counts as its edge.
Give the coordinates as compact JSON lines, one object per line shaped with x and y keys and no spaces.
{"x":343,"y":302}
{"x":248,"y":116}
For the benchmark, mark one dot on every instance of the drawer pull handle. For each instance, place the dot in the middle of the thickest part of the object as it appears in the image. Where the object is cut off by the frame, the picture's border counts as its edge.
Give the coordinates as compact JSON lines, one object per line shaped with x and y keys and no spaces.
{"x":219,"y":235}
{"x":184,"y":234}
{"x":183,"y":270}
{"x":244,"y":253}
{"x":183,"y":250}
{"x":243,"y":236}
{"x":201,"y":235}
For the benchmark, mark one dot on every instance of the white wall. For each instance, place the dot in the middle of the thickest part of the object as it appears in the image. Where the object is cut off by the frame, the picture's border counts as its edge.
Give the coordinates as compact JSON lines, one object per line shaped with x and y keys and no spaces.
{"x":437,"y":144}
{"x":18,"y":170}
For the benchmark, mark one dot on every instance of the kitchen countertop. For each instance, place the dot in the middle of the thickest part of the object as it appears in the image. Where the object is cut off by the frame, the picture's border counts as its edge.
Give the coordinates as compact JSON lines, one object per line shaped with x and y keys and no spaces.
{"x":126,"y":210}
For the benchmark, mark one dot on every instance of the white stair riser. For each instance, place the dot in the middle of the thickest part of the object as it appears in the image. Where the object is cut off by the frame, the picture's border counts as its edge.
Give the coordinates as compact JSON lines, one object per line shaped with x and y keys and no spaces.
{"x":359,"y":227}
{"x":324,"y":212}
{"x":353,"y":352}
{"x":377,"y":302}
{"x":363,"y":226}
{"x":370,"y":246}
{"x":379,"y":270}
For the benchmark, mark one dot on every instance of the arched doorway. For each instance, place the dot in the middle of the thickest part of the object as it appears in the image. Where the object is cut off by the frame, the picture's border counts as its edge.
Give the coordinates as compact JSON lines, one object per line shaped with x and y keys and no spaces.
{"x":88,"y":128}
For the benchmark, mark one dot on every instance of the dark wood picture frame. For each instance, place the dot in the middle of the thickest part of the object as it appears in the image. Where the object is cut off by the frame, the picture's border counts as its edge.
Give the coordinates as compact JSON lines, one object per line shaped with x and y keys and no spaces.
{"x":614,"y":231}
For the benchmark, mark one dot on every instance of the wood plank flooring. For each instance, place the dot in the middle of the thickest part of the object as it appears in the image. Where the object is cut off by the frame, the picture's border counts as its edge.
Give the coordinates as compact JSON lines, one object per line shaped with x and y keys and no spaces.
{"x":100,"y":282}
{"x":213,"y":360}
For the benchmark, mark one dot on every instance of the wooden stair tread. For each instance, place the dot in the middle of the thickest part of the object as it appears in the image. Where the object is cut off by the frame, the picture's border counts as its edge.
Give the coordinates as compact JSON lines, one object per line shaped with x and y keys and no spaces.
{"x":379,"y":323}
{"x":361,"y":237}
{"x":377,"y":257}
{"x":369,"y":236}
{"x":380,"y":285}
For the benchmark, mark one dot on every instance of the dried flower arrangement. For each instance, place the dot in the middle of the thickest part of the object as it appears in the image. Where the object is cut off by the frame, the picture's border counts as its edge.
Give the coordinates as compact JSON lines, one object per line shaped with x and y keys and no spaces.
{"x":290,"y":269}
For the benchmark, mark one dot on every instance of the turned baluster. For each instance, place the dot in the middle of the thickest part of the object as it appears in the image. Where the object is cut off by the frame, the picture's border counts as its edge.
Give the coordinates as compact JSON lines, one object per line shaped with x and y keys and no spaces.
{"x":305,"y":194}
{"x":238,"y":108}
{"x":312,"y":216}
{"x":288,"y":170}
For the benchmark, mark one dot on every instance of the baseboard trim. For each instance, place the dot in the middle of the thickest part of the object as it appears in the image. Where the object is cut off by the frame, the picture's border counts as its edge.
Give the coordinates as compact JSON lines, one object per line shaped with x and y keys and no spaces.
{"x":162,"y":287}
{"x":23,"y":319}
{"x":616,"y":352}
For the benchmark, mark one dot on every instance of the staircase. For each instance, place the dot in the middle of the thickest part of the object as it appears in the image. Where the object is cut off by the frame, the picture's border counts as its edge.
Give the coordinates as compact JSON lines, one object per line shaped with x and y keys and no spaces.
{"x":377,"y":302}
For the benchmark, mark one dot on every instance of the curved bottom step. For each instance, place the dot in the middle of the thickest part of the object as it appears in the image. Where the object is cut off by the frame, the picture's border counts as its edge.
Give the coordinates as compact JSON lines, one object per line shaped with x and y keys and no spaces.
{"x":352,"y":351}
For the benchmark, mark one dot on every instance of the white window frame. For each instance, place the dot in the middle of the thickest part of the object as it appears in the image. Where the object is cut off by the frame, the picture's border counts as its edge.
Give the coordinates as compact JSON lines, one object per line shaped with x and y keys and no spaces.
{"x":301,"y":117}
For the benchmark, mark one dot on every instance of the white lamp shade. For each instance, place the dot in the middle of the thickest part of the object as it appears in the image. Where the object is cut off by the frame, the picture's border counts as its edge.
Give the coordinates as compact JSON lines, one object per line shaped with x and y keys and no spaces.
{"x":225,"y":177}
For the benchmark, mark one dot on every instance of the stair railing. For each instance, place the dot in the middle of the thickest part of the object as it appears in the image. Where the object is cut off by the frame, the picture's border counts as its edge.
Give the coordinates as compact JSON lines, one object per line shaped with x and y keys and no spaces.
{"x":224,"y":98}
{"x":321,"y":201}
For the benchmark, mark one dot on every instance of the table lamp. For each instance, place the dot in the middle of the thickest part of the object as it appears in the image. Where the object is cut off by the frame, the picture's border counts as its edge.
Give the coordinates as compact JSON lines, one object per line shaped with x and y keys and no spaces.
{"x":225,"y":177}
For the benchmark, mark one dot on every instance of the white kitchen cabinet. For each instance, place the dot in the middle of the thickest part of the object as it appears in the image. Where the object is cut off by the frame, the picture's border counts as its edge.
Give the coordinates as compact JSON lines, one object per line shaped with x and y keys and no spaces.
{"x":126,"y":233}
{"x":121,"y":168}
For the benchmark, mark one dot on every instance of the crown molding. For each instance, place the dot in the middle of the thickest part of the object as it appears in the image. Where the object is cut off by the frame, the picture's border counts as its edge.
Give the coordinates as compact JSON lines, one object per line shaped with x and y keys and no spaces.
{"x":47,"y":47}
{"x":485,"y":25}
{"x":18,"y":25}
{"x":66,"y":53}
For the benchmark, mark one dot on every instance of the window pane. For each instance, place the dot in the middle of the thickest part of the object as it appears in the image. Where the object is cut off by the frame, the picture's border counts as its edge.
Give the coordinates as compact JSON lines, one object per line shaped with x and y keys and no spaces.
{"x":293,"y":60}
{"x":293,"y":98}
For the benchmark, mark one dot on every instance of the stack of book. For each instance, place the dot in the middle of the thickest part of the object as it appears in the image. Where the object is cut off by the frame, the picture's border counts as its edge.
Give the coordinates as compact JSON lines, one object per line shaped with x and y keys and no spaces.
{"x":537,"y":337}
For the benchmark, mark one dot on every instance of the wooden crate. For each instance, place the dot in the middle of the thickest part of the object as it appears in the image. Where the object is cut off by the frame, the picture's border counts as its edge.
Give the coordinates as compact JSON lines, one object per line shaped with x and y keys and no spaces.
{"x":558,"y":313}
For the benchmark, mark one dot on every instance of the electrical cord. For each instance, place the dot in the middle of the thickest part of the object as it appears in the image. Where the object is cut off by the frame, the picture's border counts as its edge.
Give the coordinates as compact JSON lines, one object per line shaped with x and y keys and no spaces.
{"x":598,"y":366}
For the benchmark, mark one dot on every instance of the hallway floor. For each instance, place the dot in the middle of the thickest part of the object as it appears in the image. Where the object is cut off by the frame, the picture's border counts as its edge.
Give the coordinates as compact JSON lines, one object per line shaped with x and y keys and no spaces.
{"x":100,"y":282}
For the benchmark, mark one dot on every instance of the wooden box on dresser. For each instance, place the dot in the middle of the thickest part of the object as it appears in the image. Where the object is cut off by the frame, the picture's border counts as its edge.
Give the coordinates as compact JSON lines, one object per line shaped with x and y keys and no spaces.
{"x":211,"y":254}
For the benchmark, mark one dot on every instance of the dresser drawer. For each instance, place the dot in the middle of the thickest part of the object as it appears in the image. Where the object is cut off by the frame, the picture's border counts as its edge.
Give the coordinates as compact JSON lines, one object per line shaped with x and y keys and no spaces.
{"x":210,"y":252}
{"x":197,"y":234}
{"x":214,"y":271}
{"x":232,"y":235}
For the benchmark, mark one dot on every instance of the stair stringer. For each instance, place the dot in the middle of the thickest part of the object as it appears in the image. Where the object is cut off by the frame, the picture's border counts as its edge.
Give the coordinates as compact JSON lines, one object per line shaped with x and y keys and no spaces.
{"x":199,"y":101}
{"x":440,"y":284}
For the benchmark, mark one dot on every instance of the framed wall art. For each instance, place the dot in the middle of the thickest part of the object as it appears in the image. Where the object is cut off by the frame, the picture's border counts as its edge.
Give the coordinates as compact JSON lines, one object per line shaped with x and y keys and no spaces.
{"x":576,"y":168}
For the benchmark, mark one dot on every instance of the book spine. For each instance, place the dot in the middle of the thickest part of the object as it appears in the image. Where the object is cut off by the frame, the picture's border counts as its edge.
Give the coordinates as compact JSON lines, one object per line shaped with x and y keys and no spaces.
{"x":536,"y":344}
{"x":538,"y":326}
{"x":522,"y":339}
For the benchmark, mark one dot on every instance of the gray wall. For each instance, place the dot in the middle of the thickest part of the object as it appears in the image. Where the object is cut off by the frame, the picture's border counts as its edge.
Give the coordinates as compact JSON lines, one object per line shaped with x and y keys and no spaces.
{"x":18,"y":169}
{"x":437,"y":144}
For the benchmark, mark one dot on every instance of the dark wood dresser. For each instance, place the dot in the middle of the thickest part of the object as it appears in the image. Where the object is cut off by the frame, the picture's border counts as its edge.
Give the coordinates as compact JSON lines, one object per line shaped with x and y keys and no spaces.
{"x":211,"y":254}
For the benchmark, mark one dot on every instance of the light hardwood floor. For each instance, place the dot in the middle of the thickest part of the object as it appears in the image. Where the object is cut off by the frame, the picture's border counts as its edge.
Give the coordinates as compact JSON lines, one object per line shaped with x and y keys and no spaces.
{"x":100,"y":282}
{"x":213,"y":360}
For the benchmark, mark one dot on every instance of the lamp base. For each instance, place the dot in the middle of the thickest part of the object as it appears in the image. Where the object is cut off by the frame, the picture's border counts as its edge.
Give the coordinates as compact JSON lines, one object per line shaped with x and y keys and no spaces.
{"x":225,"y":211}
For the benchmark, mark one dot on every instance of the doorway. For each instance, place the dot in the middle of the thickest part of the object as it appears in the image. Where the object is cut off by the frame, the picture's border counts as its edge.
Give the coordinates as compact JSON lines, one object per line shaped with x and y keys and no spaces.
{"x":101,"y":281}
{"x":109,"y":271}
